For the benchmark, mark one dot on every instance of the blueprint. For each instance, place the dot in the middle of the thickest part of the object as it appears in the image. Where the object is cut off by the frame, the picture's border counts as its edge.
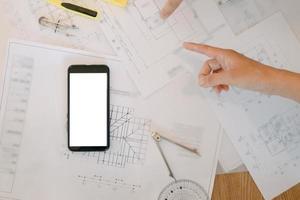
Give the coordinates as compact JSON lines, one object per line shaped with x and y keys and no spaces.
{"x":129,"y":140}
{"x":34,"y":113}
{"x":244,"y":14}
{"x":117,"y":31}
{"x":150,"y":51}
{"x":138,"y":32}
{"x":269,"y":141}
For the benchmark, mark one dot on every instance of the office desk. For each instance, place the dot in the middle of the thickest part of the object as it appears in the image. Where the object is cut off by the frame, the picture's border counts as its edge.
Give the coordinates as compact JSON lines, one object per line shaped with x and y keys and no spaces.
{"x":240,"y":186}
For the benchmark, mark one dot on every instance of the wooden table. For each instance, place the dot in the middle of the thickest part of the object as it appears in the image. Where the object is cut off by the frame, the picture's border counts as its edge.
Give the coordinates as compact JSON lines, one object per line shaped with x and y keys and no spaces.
{"x":240,"y":186}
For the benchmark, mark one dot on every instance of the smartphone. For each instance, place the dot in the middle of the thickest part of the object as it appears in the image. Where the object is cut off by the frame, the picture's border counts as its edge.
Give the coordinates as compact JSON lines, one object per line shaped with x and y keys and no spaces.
{"x":88,"y":108}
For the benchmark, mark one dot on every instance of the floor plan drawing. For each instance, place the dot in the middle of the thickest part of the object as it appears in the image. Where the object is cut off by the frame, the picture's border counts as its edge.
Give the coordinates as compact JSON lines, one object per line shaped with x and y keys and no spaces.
{"x":138,"y":30}
{"x":281,"y":132}
{"x":184,"y":24}
{"x":244,"y":14}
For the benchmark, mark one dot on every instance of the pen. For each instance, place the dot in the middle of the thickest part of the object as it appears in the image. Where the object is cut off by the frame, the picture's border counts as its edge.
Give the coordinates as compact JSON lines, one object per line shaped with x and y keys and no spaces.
{"x":86,"y":12}
{"x":79,"y":9}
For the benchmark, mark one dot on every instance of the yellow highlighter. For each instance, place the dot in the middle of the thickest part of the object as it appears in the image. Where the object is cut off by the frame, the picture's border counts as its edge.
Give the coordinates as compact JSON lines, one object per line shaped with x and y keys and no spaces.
{"x":121,"y":3}
{"x":86,"y":12}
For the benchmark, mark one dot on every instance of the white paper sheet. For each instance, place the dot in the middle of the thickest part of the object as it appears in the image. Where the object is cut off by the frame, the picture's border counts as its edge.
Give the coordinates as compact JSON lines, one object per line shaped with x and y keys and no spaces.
{"x":265,"y":129}
{"x":35,"y":162}
{"x":229,"y":158}
{"x":139,"y":34}
{"x":244,"y":14}
{"x":181,"y":110}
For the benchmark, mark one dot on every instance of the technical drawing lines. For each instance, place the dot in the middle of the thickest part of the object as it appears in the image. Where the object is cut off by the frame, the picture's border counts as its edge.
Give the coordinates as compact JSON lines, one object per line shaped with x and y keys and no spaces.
{"x":281,"y":132}
{"x":184,"y":23}
{"x":42,"y":8}
{"x":72,"y":30}
{"x":129,"y":137}
{"x":260,"y":53}
{"x":111,"y":183}
{"x":243,"y":14}
{"x":15,"y":102}
{"x":128,"y":140}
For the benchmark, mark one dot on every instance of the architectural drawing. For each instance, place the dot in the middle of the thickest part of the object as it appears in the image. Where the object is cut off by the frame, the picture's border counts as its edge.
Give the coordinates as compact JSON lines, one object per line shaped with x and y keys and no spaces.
{"x":265,"y":129}
{"x":281,"y":132}
{"x":42,"y":8}
{"x":82,"y":34}
{"x":243,"y":14}
{"x":125,"y":171}
{"x":185,"y":22}
{"x":129,"y":140}
{"x":129,"y":135}
{"x":138,"y":29}
{"x":107,"y":183}
{"x":14,"y":118}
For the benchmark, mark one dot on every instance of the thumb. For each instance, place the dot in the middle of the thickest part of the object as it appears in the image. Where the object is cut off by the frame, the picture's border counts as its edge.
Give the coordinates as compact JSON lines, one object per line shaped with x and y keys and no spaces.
{"x":213,"y":79}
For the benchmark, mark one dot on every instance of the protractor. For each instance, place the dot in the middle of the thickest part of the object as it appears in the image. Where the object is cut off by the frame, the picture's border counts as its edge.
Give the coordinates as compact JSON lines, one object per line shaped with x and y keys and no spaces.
{"x":183,"y":190}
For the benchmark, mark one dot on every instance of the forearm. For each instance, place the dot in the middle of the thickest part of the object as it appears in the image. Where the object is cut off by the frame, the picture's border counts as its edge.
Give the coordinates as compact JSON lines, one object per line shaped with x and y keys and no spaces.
{"x":283,"y":83}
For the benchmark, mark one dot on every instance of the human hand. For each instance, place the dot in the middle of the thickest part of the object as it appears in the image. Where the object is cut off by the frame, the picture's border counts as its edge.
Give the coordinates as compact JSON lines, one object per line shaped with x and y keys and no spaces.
{"x":169,"y":8}
{"x":227,"y":67}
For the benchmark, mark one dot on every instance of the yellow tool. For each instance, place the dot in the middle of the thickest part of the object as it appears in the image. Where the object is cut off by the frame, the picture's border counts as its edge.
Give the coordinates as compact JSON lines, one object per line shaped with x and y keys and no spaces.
{"x":77,"y":9}
{"x":121,"y":3}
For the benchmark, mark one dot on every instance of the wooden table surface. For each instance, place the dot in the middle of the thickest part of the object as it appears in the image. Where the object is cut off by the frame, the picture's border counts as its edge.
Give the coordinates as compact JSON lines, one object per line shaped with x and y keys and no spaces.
{"x":240,"y":186}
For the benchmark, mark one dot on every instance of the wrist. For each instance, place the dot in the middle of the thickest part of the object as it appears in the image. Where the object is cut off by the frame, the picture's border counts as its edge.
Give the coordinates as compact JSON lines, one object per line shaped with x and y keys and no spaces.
{"x":267,"y":80}
{"x":283,"y":83}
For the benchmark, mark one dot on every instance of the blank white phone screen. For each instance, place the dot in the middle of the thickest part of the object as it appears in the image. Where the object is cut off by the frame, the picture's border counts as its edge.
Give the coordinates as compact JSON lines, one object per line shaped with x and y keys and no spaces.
{"x":88,"y":109}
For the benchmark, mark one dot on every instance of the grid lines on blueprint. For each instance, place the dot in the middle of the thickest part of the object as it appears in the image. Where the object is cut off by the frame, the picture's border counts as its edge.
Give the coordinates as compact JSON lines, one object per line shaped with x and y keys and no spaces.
{"x":128,"y":140}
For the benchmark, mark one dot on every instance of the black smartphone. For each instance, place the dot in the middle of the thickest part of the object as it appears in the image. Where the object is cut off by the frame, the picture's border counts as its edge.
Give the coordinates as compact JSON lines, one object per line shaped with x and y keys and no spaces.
{"x":88,"y":108}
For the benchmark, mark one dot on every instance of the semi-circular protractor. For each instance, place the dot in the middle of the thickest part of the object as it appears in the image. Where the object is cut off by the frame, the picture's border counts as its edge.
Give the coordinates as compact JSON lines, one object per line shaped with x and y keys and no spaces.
{"x":183,"y":190}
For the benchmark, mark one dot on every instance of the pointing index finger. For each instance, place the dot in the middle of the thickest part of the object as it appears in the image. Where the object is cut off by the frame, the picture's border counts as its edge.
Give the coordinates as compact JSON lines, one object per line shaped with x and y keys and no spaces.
{"x":203,"y":49}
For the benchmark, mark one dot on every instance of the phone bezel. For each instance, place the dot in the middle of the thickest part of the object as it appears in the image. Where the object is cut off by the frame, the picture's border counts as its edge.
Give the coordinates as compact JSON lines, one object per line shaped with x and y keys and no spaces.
{"x":89,"y":69}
